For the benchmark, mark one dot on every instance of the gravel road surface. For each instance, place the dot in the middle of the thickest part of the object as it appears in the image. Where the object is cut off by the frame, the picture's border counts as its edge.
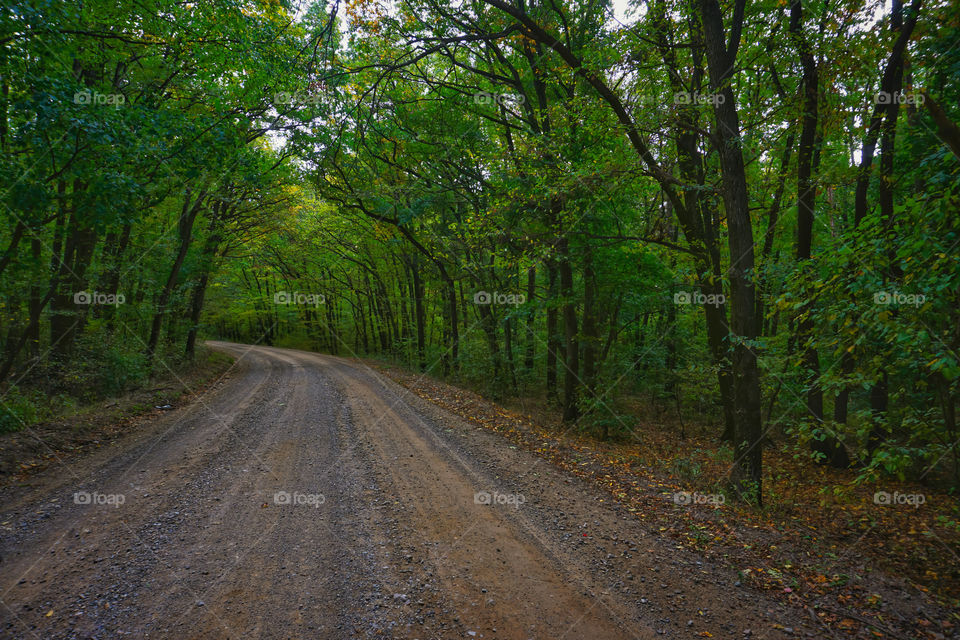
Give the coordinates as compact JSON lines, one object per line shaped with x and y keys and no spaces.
{"x":306,"y":496}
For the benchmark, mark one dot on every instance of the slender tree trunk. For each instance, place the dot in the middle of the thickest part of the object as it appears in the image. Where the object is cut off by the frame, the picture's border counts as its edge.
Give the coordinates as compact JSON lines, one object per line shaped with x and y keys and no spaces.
{"x":199,"y":292}
{"x":553,"y":341}
{"x":591,"y":338}
{"x":420,"y":314}
{"x":571,"y":363}
{"x":531,"y":337}
{"x":11,"y":251}
{"x":113,"y":276}
{"x":508,"y":349}
{"x":489,"y":324}
{"x":332,"y":331}
{"x":67,"y":317}
{"x":773,"y":215}
{"x":890,"y":83}
{"x":747,"y":473}
{"x":824,"y":442}
{"x":36,"y":299}
{"x":191,"y":208}
{"x":451,"y":291}
{"x":893,"y":79}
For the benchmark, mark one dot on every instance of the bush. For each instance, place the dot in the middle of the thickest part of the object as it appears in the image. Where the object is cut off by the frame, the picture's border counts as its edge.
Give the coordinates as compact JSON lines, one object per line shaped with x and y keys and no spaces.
{"x":16,"y":411}
{"x":109,"y":369}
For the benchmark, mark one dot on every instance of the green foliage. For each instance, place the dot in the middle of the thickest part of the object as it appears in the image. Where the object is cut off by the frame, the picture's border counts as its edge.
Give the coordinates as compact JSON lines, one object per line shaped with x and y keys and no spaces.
{"x":110,"y":369}
{"x":243,"y":171}
{"x":18,"y":410}
{"x":686,"y":469}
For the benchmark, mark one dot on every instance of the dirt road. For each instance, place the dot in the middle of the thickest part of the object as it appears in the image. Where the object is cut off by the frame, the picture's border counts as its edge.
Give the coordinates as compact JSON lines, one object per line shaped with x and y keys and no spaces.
{"x":305,"y":496}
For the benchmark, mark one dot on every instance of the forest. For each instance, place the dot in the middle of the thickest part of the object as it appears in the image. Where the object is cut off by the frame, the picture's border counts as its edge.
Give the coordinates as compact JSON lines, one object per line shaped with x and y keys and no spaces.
{"x":740,"y":217}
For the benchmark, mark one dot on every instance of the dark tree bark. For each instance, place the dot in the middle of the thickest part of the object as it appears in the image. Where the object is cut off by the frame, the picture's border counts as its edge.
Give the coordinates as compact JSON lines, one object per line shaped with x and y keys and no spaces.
{"x":553,"y":340}
{"x":531,"y":336}
{"x":112,"y":280}
{"x":11,"y":251}
{"x":591,"y":338}
{"x":200,"y":289}
{"x":571,"y":361}
{"x":79,"y":243}
{"x":747,"y":473}
{"x":890,"y":83}
{"x":420,"y":314}
{"x":36,"y":299}
{"x":188,"y":215}
{"x":824,"y":443}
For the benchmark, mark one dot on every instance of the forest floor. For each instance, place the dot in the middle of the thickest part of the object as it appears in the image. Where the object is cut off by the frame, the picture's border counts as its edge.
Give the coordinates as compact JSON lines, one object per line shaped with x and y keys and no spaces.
{"x":92,"y":425}
{"x":821,"y":541}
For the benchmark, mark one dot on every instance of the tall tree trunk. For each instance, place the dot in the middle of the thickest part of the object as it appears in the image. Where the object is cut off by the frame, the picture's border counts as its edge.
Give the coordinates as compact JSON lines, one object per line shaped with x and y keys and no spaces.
{"x":332,"y":332}
{"x":890,"y":83}
{"x":451,"y":291}
{"x":11,"y":251}
{"x":824,"y":442}
{"x":697,"y":219}
{"x":893,"y":79}
{"x":80,"y":241}
{"x":530,"y":337}
{"x":591,"y":338}
{"x":200,"y":290}
{"x":113,"y":275}
{"x":489,"y":324}
{"x":32,"y":329}
{"x":420,"y":314}
{"x":188,"y":215}
{"x":553,"y":340}
{"x":773,"y":215}
{"x":508,"y":349}
{"x":747,"y":473}
{"x":36,"y":299}
{"x":571,"y":361}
